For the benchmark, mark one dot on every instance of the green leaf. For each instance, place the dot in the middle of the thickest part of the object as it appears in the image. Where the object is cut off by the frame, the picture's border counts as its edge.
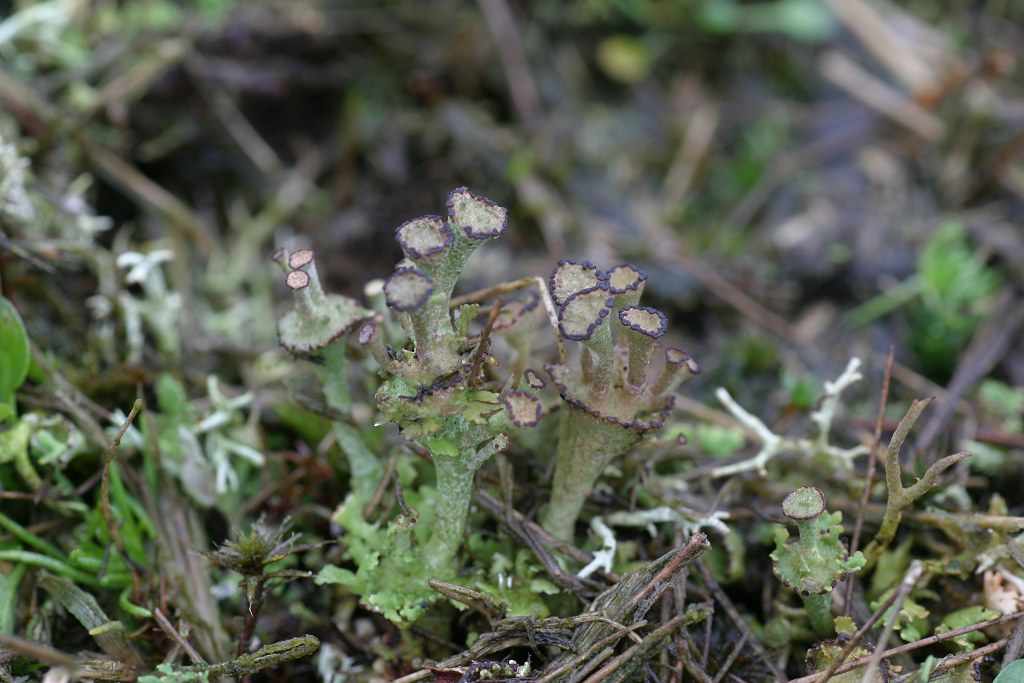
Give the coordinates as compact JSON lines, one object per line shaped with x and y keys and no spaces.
{"x":169,"y":674}
{"x":962,"y":618}
{"x":1013,"y":673}
{"x":14,"y":360}
{"x":441,"y":446}
{"x":951,"y":271}
{"x":10,"y":580}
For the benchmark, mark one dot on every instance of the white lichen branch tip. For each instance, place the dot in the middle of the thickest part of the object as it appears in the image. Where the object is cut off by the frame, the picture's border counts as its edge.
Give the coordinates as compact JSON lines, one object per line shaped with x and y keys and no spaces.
{"x":770,"y":442}
{"x":604,"y":557}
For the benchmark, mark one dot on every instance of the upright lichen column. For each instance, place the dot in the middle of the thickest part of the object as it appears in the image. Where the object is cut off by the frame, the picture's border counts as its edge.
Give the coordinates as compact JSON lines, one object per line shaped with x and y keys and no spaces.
{"x":817,"y":560}
{"x":609,"y":408}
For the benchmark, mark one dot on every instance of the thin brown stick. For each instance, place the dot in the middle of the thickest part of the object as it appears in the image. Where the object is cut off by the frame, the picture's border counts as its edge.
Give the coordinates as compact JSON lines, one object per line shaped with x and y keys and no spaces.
{"x":690,"y":665}
{"x":105,"y":509}
{"x":167,"y":627}
{"x":878,"y":95}
{"x":901,"y":594}
{"x":573,"y":663}
{"x":519,"y":522}
{"x":504,"y":288}
{"x":739,"y":622}
{"x":956,"y":660}
{"x":917,"y":644}
{"x":693,"y":548}
{"x":39,"y":652}
{"x":146,"y":193}
{"x":509,"y":44}
{"x":1013,"y":647}
{"x":661,"y":632}
{"x":869,"y":474}
{"x":485,"y":340}
{"x":224,"y":107}
{"x":731,"y":659}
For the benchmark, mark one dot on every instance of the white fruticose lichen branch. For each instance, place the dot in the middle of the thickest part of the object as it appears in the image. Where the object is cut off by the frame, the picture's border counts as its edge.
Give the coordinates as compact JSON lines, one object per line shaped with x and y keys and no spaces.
{"x":690,"y":521}
{"x":772,"y":444}
{"x":604,"y":557}
{"x":823,"y":416}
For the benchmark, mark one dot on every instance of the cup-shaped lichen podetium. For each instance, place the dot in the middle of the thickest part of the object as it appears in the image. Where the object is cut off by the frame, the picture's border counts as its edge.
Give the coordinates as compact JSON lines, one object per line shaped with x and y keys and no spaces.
{"x":427,"y":389}
{"x":318,"y":325}
{"x":609,"y":408}
{"x":474,"y":220}
{"x":817,"y":560}
{"x":582,"y":319}
{"x":410,"y":293}
{"x":644,"y":326}
{"x":626,"y":282}
{"x":570,"y":277}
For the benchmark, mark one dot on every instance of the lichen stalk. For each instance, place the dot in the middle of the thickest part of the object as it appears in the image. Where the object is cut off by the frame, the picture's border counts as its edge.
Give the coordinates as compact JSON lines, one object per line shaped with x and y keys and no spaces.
{"x":586,"y":365}
{"x":299,"y":282}
{"x":627,"y":284}
{"x":817,"y":560}
{"x":370,"y":338}
{"x":901,"y":497}
{"x":586,"y":445}
{"x":643,"y":327}
{"x":679,"y":367}
{"x":455,"y":475}
{"x":434,"y":334}
{"x":454,"y":486}
{"x":601,"y":345}
{"x":819,"y":613}
{"x":640,"y":348}
{"x":303,"y":261}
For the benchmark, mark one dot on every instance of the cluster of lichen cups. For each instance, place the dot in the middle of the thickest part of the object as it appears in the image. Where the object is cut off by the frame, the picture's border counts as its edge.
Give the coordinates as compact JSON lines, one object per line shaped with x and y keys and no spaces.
{"x":610,"y":404}
{"x":435,"y":389}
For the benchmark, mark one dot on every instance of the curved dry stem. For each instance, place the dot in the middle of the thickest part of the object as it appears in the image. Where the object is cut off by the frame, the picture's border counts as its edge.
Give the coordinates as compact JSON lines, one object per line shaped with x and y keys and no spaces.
{"x":901,"y":497}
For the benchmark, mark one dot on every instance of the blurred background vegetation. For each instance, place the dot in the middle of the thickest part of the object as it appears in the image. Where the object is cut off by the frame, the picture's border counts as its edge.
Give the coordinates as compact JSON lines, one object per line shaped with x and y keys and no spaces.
{"x":803,"y":180}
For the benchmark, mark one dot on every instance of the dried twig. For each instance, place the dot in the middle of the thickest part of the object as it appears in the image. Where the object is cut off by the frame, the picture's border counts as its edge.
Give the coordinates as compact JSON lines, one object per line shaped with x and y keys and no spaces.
{"x":917,"y":644}
{"x":739,"y":622}
{"x":105,"y":509}
{"x":901,"y":497}
{"x":869,"y":474}
{"x":880,"y":96}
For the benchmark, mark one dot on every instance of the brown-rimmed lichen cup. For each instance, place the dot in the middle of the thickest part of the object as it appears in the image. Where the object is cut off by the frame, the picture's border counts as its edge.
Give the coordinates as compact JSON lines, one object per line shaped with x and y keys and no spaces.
{"x":427,"y":389}
{"x":608,"y":409}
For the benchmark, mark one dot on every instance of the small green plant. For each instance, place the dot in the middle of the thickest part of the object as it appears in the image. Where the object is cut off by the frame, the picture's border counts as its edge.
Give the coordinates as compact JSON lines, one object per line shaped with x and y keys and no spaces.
{"x":318,"y":329}
{"x":250,"y":555}
{"x":14,"y":360}
{"x":817,"y":560}
{"x":433,"y":387}
{"x":954,"y":289}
